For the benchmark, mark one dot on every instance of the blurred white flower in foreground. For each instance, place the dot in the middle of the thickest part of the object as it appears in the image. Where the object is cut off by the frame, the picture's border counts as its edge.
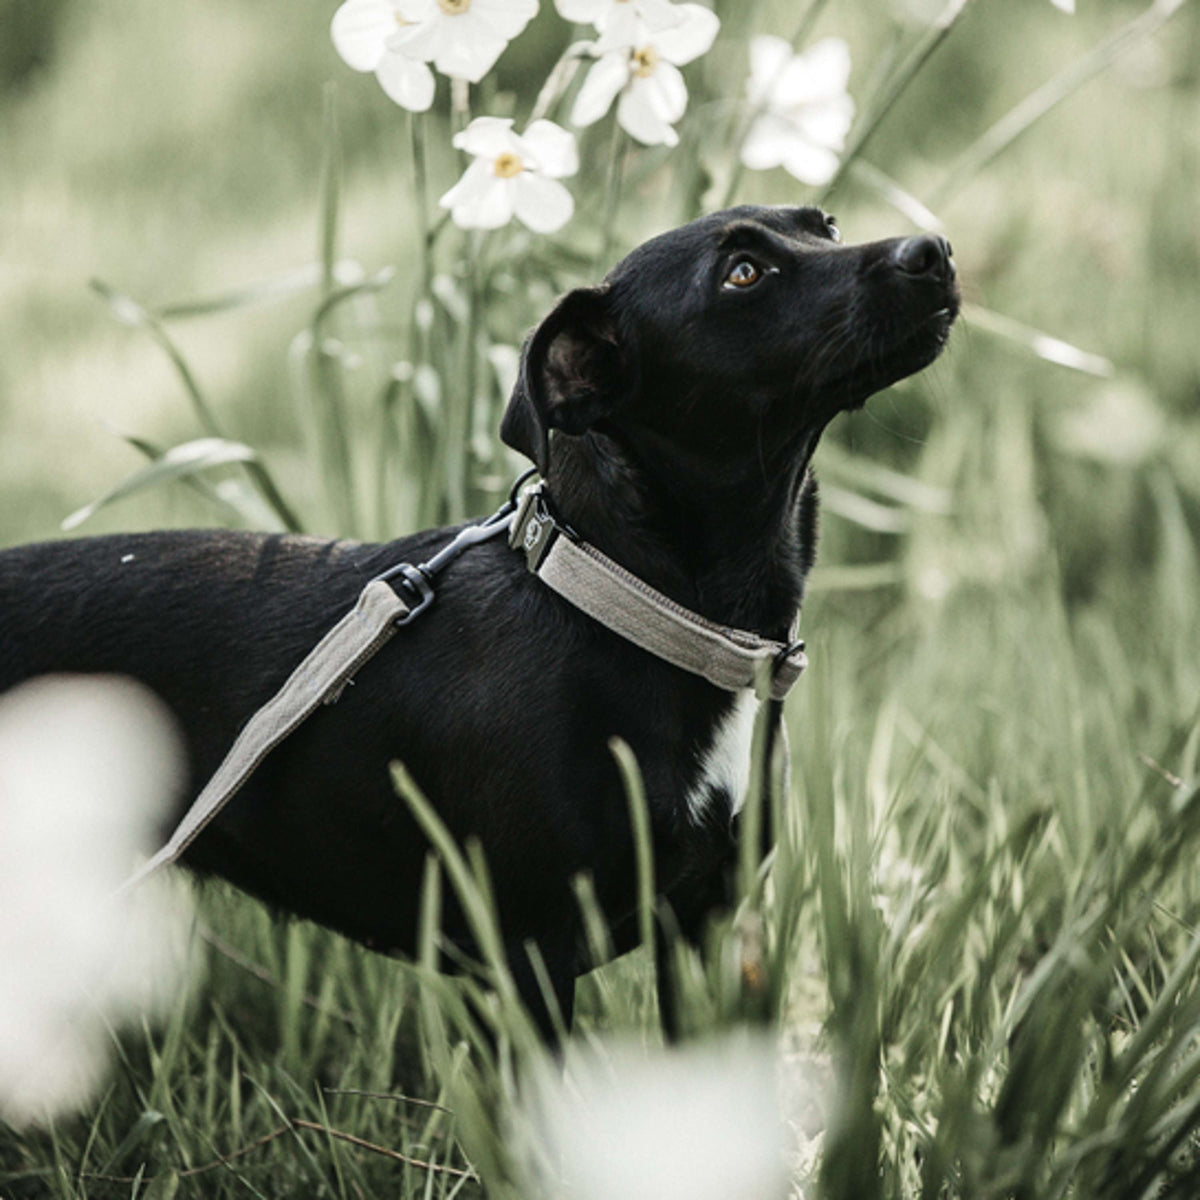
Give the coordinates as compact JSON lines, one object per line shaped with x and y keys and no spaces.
{"x":1068,"y":6}
{"x":513,"y":175}
{"x":363,"y":33}
{"x":806,"y":111}
{"x":86,"y":768}
{"x":397,"y":38}
{"x":701,"y":1123}
{"x":639,"y":61}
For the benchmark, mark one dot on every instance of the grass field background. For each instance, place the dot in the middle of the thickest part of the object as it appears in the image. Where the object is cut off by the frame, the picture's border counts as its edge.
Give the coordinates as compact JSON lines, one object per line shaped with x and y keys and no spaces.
{"x":981,"y":930}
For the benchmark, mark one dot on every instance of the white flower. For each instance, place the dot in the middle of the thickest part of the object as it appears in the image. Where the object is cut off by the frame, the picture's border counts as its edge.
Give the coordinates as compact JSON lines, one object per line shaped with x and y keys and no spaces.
{"x":618,"y":16}
{"x":701,"y":1122}
{"x":363,"y":34}
{"x":640,"y":63}
{"x":87,"y":767}
{"x":513,"y":175}
{"x":806,"y":111}
{"x":397,"y":38}
{"x":462,"y":38}
{"x":1066,"y":5}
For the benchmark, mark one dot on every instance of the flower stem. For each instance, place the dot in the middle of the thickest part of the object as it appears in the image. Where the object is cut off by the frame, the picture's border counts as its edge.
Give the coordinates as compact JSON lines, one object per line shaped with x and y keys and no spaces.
{"x":1038,"y":103}
{"x":559,"y":79}
{"x":908,"y":70}
{"x":460,"y":104}
{"x":420,"y":178}
{"x":612,"y":193}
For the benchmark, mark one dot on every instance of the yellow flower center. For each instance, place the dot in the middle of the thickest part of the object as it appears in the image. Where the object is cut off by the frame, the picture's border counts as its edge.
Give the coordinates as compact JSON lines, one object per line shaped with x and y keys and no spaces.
{"x":454,"y":7}
{"x":401,"y":21}
{"x":507,"y":164}
{"x":645,"y":61}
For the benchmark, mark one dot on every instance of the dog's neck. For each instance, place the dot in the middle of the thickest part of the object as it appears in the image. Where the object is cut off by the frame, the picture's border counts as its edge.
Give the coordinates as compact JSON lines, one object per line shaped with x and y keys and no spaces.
{"x":735,"y":551}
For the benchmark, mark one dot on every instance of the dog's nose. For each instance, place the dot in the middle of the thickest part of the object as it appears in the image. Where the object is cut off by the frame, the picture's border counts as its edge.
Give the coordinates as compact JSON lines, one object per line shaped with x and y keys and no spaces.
{"x":926,"y":255}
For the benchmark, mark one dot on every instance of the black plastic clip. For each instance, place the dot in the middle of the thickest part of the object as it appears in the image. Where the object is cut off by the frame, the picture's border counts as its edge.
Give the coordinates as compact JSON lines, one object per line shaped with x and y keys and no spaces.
{"x":413,"y":586}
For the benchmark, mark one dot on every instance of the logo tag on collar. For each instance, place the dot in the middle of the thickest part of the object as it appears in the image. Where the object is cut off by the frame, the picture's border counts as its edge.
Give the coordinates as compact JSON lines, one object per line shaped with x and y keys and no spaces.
{"x":533,"y":528}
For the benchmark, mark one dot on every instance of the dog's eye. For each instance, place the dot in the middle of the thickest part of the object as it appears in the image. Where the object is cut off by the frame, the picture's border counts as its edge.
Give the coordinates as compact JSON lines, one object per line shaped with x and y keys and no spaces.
{"x":743,"y":274}
{"x":832,"y":226}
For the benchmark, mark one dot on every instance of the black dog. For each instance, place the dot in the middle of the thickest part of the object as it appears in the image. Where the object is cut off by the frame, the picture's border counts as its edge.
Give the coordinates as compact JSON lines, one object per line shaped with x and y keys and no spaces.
{"x":687,"y":393}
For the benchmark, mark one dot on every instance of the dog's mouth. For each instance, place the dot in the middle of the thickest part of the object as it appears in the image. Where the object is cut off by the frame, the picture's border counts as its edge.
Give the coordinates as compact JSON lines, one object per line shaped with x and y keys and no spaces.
{"x":884,"y":357}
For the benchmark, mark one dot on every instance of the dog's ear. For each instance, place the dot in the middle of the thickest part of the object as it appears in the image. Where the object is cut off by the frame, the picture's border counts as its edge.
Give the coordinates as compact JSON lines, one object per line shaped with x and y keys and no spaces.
{"x":573,"y":372}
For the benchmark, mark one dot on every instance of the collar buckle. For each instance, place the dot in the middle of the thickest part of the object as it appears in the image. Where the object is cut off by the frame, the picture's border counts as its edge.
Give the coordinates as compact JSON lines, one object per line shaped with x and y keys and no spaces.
{"x":534,"y":528}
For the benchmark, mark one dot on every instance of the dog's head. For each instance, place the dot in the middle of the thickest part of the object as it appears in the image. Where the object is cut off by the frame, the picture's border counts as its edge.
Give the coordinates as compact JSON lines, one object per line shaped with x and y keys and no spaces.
{"x":735,"y":338}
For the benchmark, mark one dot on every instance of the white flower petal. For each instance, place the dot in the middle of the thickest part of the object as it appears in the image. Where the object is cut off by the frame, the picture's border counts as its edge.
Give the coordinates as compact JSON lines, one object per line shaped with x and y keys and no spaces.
{"x":606,"y":78}
{"x":504,"y":17}
{"x":583,"y":11}
{"x":467,"y":53}
{"x":640,"y":113}
{"x":407,"y":81}
{"x":693,"y":35}
{"x":1067,"y":6}
{"x":418,"y":39}
{"x":360,"y":29}
{"x":767,"y":142}
{"x":810,"y":164}
{"x":543,"y":204}
{"x":553,"y":149}
{"x":623,"y":30}
{"x":827,"y":123}
{"x":481,"y":199}
{"x":769,"y":55}
{"x":659,"y":14}
{"x":488,"y":136}
{"x":665,"y":91}
{"x":475,"y":182}
{"x":820,"y":72}
{"x":417,"y":11}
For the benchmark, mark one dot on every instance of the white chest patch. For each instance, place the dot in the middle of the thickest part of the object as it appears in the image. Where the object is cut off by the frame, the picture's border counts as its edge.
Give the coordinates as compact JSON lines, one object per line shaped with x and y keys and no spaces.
{"x":725,"y":765}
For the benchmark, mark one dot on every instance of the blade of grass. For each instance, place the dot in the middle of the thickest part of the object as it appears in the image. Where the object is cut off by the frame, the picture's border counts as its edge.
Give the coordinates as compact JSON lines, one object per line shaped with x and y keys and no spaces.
{"x":1046,"y":98}
{"x":643,"y":847}
{"x":273,"y":287}
{"x":1051,"y":349}
{"x":177,"y":463}
{"x":895,"y":87}
{"x":130,"y":312}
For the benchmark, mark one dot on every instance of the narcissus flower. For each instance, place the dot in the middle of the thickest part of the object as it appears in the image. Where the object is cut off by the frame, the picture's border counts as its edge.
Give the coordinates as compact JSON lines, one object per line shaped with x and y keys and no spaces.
{"x":639,"y":61}
{"x":397,"y":38}
{"x":363,"y":34}
{"x":617,"y":17}
{"x":462,"y":38}
{"x":513,"y":175}
{"x":805,"y":109}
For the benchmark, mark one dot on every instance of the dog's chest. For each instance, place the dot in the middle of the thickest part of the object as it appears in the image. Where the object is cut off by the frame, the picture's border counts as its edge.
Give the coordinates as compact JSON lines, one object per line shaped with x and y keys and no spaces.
{"x":724,"y":774}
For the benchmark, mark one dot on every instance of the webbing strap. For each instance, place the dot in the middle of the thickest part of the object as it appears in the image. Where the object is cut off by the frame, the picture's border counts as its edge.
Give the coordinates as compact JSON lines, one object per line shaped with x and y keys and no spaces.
{"x":729,"y":658}
{"x":319,"y":679}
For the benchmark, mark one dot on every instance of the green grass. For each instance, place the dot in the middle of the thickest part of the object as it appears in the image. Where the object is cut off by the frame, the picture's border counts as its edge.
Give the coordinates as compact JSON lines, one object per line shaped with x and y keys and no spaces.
{"x":982,"y":918}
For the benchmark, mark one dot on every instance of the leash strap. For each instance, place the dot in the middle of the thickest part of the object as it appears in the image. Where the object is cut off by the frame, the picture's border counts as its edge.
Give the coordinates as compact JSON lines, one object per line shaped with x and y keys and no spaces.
{"x":318,"y":680}
{"x":729,"y":658}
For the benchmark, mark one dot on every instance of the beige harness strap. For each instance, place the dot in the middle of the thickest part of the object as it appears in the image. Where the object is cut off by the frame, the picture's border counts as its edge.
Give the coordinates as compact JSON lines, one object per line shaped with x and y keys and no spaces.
{"x":729,"y":658}
{"x":318,"y":680}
